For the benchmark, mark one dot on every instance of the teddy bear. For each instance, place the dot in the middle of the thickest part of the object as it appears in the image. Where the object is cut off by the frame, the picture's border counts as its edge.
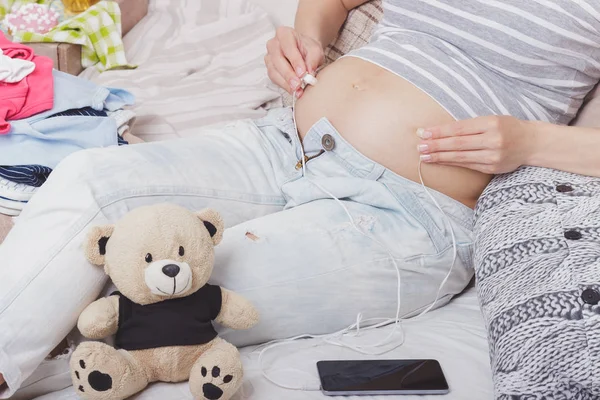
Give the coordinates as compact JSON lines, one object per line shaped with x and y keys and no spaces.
{"x":160,"y":258}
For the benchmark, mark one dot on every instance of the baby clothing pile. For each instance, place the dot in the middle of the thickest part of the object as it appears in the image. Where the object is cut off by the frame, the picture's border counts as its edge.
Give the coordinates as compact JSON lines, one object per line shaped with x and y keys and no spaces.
{"x":45,"y":115}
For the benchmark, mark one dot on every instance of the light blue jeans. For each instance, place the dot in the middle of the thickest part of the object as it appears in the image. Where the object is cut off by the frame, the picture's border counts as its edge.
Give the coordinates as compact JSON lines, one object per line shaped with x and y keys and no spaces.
{"x":289,"y":247}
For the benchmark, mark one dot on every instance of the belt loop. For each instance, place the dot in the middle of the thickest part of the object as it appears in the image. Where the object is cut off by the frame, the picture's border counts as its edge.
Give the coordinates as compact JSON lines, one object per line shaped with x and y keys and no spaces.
{"x":376,"y":172}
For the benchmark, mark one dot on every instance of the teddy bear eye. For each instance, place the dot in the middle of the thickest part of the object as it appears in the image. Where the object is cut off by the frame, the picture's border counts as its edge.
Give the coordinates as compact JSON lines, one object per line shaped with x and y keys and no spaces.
{"x":181,"y":251}
{"x":148,"y":258}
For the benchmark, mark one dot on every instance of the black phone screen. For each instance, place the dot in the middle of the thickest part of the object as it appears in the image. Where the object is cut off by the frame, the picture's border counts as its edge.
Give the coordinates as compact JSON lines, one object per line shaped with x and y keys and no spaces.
{"x":381,"y":375}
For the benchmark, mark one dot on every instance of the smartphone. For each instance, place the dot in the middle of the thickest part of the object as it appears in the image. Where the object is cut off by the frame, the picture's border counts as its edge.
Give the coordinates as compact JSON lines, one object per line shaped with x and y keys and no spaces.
{"x":382,"y":377}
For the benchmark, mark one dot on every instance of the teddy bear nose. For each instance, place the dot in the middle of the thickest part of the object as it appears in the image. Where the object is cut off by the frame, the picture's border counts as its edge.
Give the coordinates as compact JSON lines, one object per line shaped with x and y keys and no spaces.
{"x":171,"y":270}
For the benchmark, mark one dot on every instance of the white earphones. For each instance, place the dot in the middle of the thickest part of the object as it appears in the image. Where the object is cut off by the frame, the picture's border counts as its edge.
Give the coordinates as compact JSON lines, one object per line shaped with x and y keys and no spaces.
{"x":336,"y":338}
{"x":308,"y":79}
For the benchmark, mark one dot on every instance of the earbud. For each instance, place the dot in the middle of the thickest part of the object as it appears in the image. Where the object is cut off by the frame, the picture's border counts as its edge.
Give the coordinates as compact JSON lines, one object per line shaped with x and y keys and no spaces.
{"x":308,"y":79}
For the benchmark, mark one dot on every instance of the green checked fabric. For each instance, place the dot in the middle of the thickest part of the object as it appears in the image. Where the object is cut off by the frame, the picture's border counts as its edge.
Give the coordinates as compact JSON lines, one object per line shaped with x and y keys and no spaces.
{"x":98,"y":30}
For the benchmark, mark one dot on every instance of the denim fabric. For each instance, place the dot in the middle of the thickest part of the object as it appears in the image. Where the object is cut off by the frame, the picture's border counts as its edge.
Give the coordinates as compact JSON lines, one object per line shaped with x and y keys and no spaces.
{"x":46,"y":141}
{"x":288,"y":247}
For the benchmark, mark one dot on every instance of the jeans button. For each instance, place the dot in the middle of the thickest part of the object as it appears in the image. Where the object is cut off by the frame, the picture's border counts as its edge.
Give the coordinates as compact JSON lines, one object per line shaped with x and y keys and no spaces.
{"x":573,"y":235}
{"x":564,"y":188}
{"x":590,"y":296}
{"x":327,"y":142}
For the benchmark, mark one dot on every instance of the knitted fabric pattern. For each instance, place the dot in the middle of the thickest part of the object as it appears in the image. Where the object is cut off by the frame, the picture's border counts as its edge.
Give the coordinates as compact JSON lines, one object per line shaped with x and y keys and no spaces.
{"x":537,"y":261}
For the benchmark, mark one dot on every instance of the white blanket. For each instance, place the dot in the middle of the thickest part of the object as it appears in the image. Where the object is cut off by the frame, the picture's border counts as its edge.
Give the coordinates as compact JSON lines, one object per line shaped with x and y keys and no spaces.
{"x":200,"y":63}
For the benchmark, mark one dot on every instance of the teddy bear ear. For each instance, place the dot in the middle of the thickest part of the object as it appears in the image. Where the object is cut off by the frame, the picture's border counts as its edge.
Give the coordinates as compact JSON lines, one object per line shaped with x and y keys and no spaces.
{"x":213,"y":222}
{"x":95,"y":246}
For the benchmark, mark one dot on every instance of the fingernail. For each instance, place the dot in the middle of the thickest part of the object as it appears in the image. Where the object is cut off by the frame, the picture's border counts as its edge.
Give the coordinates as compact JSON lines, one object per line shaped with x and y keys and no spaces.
{"x":423,"y":148}
{"x":423,"y":134}
{"x":299,"y":71}
{"x":425,"y":157}
{"x":299,"y":93}
{"x":294,"y":83}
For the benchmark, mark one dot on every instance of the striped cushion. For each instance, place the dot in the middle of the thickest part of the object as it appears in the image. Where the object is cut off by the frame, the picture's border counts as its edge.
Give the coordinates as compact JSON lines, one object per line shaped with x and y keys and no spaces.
{"x":356,"y":31}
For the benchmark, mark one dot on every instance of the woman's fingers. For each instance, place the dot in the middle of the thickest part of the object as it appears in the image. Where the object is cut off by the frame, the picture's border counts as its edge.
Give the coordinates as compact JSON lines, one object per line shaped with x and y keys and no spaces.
{"x":289,"y":56}
{"x":313,"y":54}
{"x":494,"y":144}
{"x":290,"y":50}
{"x":284,"y":68}
{"x":460,"y":128}
{"x":457,"y":143}
{"x":461,"y":157}
{"x":275,"y":76}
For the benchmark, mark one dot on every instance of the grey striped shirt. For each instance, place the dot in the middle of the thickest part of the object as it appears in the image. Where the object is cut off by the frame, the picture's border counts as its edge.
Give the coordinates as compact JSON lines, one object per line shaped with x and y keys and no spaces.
{"x":532,"y":59}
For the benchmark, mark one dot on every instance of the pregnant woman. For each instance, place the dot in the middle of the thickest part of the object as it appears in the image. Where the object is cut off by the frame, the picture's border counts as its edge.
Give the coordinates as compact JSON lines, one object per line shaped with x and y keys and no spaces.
{"x":444,"y":68}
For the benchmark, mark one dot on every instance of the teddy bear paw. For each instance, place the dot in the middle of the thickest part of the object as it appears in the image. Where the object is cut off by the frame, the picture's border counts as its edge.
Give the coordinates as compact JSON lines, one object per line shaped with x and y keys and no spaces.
{"x":215,"y":385}
{"x":99,"y":372}
{"x":97,"y":380}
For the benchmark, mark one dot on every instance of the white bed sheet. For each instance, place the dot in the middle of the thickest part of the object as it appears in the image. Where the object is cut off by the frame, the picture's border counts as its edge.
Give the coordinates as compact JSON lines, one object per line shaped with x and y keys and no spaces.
{"x":454,"y":335}
{"x":282,"y":12}
{"x":200,"y":62}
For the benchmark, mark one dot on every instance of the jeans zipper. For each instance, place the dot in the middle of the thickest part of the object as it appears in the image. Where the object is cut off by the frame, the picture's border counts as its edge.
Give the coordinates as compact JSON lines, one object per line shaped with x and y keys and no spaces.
{"x":307,"y":159}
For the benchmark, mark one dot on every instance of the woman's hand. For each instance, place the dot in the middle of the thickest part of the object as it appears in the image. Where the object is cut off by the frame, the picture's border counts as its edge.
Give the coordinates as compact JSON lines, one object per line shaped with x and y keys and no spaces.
{"x":289,"y":56}
{"x":492,"y":145}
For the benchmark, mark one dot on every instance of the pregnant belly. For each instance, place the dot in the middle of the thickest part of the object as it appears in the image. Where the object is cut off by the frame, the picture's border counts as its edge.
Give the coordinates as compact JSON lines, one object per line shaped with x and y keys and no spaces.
{"x":378,"y":113}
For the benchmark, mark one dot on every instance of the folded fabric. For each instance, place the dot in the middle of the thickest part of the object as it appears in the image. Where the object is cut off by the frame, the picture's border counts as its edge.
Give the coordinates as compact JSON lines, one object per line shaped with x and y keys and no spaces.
{"x":124,"y":118}
{"x":36,"y":175}
{"x":30,"y":96}
{"x":11,"y":206}
{"x":98,"y":30}
{"x":11,"y":212}
{"x":14,"y":70}
{"x":45,"y":140}
{"x":31,"y":175}
{"x":15,"y":206}
{"x":121,"y":117}
{"x":16,"y":191}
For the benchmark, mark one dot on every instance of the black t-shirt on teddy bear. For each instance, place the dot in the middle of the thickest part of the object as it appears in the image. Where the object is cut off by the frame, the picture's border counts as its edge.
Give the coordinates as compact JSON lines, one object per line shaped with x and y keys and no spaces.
{"x":176,"y":322}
